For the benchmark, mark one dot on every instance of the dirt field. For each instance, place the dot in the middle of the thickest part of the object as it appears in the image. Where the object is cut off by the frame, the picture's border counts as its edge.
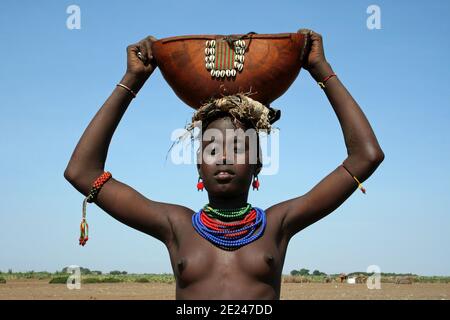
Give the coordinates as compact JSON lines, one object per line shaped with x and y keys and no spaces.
{"x":41,"y":289}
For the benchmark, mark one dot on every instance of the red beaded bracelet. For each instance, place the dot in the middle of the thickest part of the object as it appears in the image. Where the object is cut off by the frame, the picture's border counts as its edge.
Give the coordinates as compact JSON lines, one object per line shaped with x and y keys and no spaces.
{"x":322,"y":83}
{"x":91,"y":197}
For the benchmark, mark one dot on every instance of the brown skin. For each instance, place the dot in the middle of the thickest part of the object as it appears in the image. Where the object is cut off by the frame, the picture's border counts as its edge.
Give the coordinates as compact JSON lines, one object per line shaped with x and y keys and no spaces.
{"x":202,"y":270}
{"x":233,"y":192}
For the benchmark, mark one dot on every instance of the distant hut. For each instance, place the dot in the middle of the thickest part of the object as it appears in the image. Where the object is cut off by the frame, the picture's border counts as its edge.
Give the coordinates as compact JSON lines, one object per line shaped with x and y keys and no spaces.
{"x":342,"y":277}
{"x":361,"y":279}
{"x":404,"y":280}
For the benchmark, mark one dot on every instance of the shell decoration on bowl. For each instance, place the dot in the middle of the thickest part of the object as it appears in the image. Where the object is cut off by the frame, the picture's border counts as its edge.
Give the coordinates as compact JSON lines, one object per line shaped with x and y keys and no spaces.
{"x":203,"y":67}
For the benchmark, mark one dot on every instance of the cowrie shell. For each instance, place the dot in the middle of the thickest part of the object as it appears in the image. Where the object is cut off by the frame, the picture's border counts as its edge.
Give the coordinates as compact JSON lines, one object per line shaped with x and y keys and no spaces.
{"x":207,"y":43}
{"x":228,"y":73}
{"x":240,"y":67}
{"x":212,"y":58}
{"x":213,"y":43}
{"x":207,"y":51}
{"x":212,"y":51}
{"x":206,"y":59}
{"x":233,"y":72}
{"x":236,"y":64}
{"x":212,"y":73}
{"x":222,"y":73}
{"x":217,"y":73}
{"x":242,"y":59}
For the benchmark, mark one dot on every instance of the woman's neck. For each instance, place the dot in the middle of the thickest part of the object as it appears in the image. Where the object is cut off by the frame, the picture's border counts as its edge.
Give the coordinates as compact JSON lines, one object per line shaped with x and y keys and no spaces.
{"x":238,"y":201}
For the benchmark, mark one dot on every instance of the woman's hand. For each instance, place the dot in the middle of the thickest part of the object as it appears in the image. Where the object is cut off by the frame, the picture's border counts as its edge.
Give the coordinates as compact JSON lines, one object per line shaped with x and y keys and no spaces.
{"x":140,"y":63}
{"x":315,"y":61}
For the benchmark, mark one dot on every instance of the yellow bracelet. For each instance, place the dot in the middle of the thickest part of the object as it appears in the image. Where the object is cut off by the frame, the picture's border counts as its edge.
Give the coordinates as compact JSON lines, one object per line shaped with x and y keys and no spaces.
{"x":360,"y":186}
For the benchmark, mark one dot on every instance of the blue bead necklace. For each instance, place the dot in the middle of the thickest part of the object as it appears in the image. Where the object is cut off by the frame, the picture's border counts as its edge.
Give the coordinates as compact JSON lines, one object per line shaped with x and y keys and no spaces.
{"x":230,"y":238}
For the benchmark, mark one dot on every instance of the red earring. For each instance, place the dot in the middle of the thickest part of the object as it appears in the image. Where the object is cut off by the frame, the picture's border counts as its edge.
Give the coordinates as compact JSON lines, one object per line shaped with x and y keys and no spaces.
{"x":255,"y":183}
{"x":200,"y":185}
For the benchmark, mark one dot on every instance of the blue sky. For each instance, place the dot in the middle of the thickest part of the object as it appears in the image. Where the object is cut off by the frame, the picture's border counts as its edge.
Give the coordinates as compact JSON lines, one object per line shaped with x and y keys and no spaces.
{"x":53,"y":80}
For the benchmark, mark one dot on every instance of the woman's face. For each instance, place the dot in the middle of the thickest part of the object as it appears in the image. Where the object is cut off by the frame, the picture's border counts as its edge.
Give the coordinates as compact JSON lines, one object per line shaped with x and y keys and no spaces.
{"x":228,"y":160}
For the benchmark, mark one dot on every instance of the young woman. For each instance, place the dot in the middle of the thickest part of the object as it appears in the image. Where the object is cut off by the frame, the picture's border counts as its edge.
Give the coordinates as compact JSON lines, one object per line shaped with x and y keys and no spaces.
{"x":204,"y":267}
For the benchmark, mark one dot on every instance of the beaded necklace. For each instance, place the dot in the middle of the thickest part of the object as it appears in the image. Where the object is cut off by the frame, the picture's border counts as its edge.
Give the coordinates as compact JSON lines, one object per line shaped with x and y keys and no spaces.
{"x":229,"y":214}
{"x":230,"y":235}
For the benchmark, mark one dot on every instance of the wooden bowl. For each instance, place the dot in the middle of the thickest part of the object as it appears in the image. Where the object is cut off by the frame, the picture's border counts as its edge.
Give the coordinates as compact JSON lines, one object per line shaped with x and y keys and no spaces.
{"x":270,"y":65}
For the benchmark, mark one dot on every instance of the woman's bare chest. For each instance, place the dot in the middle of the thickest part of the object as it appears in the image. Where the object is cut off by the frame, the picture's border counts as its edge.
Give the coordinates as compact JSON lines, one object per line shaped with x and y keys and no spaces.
{"x":195,"y":259}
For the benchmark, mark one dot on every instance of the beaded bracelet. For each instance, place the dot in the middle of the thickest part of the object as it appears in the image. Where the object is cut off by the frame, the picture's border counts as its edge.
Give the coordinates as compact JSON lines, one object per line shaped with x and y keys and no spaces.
{"x":322,"y":83}
{"x":91,"y":197}
{"x":360,"y":186}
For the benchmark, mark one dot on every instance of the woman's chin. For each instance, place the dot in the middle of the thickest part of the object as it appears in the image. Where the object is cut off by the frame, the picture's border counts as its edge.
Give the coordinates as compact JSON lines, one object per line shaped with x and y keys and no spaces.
{"x":224,"y":189}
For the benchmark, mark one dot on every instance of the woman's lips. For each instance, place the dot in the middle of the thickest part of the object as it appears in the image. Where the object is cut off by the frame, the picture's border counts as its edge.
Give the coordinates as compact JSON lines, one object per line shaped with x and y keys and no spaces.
{"x":222,"y":175}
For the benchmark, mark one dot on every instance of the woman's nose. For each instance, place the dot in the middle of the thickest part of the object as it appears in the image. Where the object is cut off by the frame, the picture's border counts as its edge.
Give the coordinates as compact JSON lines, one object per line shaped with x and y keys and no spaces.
{"x":225,"y":159}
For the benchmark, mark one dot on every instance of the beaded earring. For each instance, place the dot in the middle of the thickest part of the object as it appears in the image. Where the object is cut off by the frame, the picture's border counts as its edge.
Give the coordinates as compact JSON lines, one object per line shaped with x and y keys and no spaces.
{"x":200,"y":185}
{"x":255,"y":183}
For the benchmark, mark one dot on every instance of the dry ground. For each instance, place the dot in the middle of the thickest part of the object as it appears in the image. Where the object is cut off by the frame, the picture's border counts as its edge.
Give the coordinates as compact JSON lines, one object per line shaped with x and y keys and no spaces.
{"x":41,"y":289}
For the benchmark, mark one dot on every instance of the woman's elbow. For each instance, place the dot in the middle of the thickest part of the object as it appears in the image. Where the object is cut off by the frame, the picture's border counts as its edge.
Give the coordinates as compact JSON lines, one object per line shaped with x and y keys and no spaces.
{"x":372,"y":157}
{"x":69,"y":174}
{"x":376,"y":156}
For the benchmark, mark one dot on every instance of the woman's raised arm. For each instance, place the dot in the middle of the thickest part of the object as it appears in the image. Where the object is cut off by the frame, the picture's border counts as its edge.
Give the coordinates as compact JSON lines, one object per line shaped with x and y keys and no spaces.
{"x":363,"y":150}
{"x":88,"y":159}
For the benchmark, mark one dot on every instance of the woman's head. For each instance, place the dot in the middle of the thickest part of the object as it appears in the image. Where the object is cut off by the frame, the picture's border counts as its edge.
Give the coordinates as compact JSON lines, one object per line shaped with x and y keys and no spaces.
{"x":228,"y":157}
